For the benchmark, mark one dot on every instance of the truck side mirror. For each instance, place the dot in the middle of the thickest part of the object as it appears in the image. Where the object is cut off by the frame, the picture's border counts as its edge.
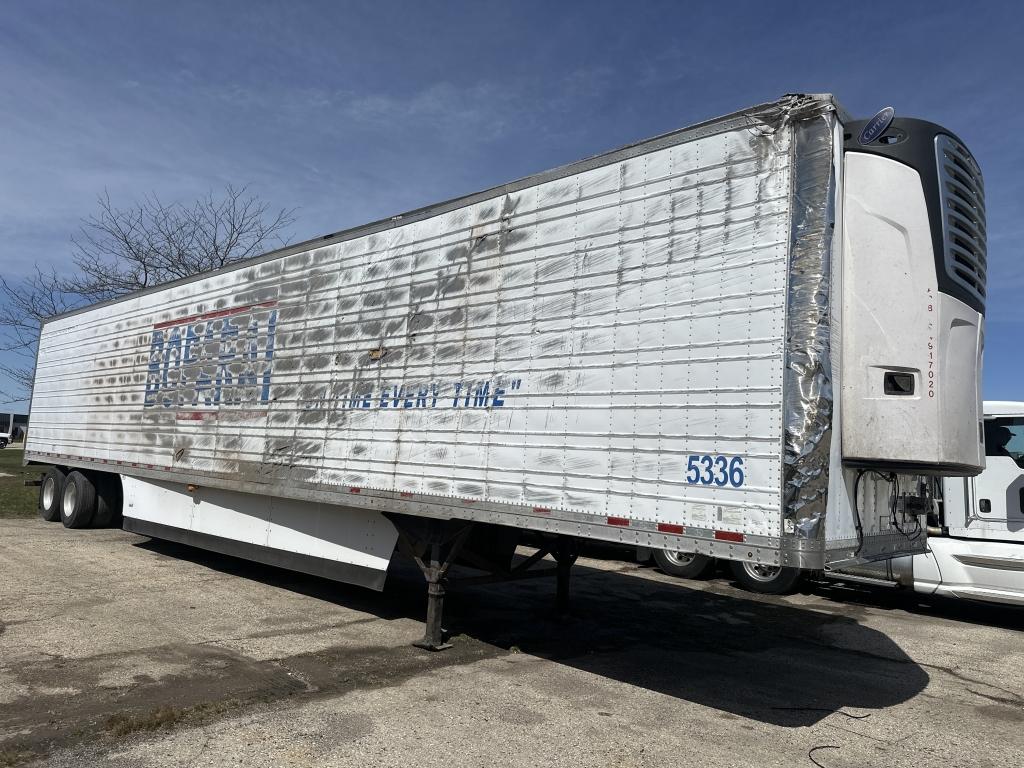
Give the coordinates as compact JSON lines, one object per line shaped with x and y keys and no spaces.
{"x":984,"y":506}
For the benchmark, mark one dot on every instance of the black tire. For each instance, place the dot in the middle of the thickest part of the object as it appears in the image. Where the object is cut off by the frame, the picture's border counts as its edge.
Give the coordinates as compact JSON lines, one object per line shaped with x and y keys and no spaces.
{"x":766,"y":579}
{"x":77,"y":501}
{"x":3,"y":443}
{"x":684,"y":565}
{"x":108,"y":500}
{"x":50,"y":490}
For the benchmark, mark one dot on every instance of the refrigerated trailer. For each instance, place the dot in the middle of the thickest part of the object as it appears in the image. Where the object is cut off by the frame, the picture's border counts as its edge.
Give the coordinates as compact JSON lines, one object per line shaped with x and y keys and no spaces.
{"x":753,"y":338}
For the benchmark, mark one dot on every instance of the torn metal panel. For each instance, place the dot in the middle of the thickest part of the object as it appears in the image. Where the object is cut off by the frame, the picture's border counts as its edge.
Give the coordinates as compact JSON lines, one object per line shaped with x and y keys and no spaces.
{"x":808,"y":373}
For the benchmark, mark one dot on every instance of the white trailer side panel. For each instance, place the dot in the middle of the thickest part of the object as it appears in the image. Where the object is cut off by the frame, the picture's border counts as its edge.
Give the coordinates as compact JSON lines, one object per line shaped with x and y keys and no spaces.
{"x":560,"y":350}
{"x":351,"y":545}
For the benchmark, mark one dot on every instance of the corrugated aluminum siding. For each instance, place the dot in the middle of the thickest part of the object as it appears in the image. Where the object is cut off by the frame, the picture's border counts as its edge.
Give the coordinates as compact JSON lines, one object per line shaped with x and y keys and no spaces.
{"x":608,"y":324}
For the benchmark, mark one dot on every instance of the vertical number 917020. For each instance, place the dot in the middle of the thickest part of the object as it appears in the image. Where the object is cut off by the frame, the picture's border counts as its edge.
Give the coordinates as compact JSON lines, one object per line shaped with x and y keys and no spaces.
{"x":715,"y":470}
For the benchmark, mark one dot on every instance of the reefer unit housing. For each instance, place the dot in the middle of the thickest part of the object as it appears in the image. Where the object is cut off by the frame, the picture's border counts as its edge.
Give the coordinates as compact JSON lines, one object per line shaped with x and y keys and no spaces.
{"x":649,"y":346}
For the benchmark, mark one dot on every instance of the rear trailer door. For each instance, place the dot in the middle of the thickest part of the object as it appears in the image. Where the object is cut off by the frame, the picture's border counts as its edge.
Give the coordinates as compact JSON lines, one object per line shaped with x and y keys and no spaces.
{"x":632,"y":348}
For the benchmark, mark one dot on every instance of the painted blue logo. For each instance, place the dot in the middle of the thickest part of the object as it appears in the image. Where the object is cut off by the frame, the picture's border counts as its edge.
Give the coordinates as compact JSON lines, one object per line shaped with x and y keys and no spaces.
{"x":224,"y":357}
{"x":877,"y":125}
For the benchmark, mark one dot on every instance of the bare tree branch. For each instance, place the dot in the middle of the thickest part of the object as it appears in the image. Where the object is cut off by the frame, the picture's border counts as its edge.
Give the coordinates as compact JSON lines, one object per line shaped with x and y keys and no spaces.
{"x":117,"y":251}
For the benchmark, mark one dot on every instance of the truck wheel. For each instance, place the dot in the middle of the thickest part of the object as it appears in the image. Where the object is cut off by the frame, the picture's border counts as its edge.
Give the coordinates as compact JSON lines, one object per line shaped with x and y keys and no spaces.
{"x":49,"y":494}
{"x":3,"y":443}
{"x":766,"y":579}
{"x":684,"y":565}
{"x":77,"y":501}
{"x":108,"y":500}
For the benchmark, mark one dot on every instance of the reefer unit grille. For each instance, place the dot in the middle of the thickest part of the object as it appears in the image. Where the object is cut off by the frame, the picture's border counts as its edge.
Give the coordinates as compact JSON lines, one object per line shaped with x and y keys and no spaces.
{"x":962,"y":196}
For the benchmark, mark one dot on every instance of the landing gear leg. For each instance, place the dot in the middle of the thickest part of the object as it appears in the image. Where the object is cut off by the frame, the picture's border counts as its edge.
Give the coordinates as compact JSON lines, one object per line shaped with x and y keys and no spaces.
{"x":565,"y":554}
{"x":433,"y":545}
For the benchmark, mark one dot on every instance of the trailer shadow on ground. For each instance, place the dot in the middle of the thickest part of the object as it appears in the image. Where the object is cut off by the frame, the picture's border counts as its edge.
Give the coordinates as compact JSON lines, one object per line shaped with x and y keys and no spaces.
{"x":850,"y":597}
{"x":761,"y":658}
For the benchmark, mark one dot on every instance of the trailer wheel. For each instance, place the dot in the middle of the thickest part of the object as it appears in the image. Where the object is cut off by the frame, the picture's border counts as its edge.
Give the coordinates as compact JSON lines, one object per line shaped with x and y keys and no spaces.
{"x":77,"y":501}
{"x":49,"y":494}
{"x":766,"y":579}
{"x":108,"y":500}
{"x":684,"y":565}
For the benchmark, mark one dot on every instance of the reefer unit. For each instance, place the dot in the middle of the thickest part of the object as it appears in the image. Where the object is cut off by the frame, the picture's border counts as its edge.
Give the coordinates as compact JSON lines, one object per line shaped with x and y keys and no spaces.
{"x":748,"y":338}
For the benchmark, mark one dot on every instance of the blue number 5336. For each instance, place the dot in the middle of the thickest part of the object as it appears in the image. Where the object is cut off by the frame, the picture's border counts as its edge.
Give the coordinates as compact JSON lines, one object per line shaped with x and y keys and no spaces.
{"x":715,"y":470}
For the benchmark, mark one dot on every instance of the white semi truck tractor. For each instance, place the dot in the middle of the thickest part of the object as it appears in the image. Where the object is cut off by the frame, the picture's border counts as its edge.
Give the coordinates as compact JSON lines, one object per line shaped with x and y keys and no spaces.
{"x":976,"y":529}
{"x":737,"y":339}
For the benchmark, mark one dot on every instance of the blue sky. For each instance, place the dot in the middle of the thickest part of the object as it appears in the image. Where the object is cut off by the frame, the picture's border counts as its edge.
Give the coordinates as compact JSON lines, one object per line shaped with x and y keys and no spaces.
{"x":352,"y":111}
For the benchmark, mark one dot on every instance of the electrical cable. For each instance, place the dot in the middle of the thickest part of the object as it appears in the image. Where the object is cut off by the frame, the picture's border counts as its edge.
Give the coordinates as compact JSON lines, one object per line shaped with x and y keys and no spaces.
{"x":812,"y":750}
{"x":894,"y":518}
{"x":894,"y":482}
{"x":856,"y":513}
{"x":824,"y":709}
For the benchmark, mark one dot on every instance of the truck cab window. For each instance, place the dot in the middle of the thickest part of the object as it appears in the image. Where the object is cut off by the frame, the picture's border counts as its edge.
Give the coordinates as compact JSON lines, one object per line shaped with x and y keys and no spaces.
{"x":1005,"y":437}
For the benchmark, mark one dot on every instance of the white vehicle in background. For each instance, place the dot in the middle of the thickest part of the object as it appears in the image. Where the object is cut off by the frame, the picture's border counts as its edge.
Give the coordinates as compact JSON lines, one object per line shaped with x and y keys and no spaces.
{"x":6,"y":429}
{"x":975,"y":533}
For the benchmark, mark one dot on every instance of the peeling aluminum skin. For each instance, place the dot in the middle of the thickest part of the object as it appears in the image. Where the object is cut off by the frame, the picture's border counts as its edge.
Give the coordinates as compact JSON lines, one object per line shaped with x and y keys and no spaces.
{"x":807,"y":384}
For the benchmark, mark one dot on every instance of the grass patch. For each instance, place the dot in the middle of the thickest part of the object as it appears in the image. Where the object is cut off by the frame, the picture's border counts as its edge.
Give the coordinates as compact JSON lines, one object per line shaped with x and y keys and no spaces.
{"x":16,"y":499}
{"x":161,"y":717}
{"x":164,"y":718}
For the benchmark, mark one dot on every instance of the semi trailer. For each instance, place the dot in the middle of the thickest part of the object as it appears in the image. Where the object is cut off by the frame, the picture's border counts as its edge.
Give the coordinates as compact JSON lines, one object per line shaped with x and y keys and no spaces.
{"x":755,"y":339}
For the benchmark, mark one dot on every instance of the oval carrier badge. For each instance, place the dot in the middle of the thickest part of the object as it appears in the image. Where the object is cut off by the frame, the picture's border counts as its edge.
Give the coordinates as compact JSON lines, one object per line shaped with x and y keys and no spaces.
{"x":877,"y":125}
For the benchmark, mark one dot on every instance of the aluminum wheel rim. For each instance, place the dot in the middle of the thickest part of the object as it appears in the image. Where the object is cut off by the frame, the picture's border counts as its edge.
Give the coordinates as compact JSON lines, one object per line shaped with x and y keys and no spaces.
{"x":70,"y":499}
{"x":761,"y":572}
{"x":49,"y":491}
{"x":679,"y":558}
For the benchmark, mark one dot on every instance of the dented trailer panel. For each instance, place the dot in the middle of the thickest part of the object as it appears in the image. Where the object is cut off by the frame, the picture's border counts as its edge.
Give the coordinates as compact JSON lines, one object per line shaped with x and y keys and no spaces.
{"x":600,"y":350}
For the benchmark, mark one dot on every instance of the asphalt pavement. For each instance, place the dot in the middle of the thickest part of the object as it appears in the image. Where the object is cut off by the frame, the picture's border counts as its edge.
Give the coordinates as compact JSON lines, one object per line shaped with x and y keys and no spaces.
{"x":123,"y":651}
